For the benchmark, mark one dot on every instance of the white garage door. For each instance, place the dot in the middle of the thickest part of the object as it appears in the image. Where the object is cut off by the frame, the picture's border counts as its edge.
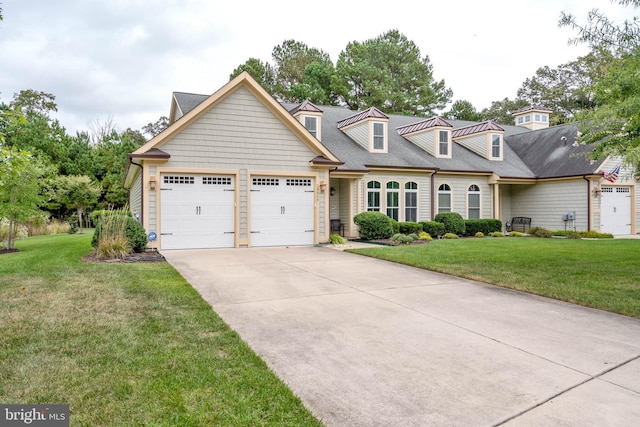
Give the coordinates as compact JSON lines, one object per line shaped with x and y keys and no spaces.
{"x":197,"y":211}
{"x":616,"y":210}
{"x":282,"y":211}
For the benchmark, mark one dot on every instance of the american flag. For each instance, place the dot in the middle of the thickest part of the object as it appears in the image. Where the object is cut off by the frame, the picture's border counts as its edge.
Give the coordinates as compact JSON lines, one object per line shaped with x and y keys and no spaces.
{"x":613,"y":175}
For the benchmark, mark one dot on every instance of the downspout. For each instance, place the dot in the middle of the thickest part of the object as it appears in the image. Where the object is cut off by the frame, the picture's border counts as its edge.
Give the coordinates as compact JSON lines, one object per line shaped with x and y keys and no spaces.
{"x":589,"y":202}
{"x":141,"y":190}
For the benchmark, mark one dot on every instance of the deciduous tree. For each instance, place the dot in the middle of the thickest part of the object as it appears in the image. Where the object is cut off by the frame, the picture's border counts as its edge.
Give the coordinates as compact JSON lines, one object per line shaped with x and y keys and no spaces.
{"x":79,"y":193}
{"x":20,"y":184}
{"x":613,"y":124}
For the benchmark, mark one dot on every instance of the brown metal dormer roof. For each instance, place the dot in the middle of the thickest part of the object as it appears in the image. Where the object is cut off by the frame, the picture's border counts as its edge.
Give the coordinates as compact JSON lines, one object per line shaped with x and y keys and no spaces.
{"x":305,"y":106}
{"x":476,"y":128}
{"x":422,"y":125}
{"x":372,"y":112}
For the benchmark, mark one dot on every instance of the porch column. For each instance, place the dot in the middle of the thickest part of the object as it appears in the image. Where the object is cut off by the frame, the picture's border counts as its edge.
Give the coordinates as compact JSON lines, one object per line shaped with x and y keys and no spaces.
{"x":496,"y":201}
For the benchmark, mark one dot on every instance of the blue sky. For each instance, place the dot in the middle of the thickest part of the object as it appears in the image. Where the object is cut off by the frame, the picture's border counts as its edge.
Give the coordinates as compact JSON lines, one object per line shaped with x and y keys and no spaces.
{"x":120,"y":60}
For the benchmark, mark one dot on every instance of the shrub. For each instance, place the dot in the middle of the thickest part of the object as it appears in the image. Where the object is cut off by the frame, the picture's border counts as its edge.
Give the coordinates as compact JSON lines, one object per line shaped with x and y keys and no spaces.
{"x":450,"y":236}
{"x":433,"y":228}
{"x":337,"y":239}
{"x":516,"y":234}
{"x":374,"y":225}
{"x":485,"y":226}
{"x":592,"y":234}
{"x":425,"y":236}
{"x":540,"y":232}
{"x":409,"y":227}
{"x":73,"y":223}
{"x":479,"y":234}
{"x":496,"y":234}
{"x":414,"y":236}
{"x":135,"y":234}
{"x":396,"y":236}
{"x":405,"y":239}
{"x":453,"y":222}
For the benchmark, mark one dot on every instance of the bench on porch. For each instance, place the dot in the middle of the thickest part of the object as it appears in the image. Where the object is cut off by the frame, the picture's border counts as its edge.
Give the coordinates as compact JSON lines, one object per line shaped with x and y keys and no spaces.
{"x":519,"y":223}
{"x":337,"y":226}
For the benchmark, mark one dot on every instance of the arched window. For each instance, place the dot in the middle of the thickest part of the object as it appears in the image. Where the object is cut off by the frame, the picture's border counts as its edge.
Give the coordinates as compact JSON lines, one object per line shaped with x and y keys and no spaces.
{"x":473,"y":202}
{"x":373,"y":196}
{"x":411,"y":202}
{"x":393,"y":200}
{"x":444,"y":198}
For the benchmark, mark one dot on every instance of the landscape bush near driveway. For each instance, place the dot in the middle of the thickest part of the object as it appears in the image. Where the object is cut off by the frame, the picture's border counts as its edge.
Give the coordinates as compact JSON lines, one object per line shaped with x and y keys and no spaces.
{"x":603,"y":274}
{"x":126,"y":344}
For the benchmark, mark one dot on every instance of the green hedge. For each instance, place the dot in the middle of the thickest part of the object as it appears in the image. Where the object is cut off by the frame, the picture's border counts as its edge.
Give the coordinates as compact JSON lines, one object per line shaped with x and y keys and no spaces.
{"x":409,"y":227}
{"x":434,"y":229}
{"x":453,"y":222}
{"x":484,"y":226}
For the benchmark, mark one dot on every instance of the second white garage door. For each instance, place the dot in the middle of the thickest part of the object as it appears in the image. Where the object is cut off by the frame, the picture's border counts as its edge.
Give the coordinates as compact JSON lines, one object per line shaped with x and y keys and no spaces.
{"x":282,"y":211}
{"x":616,"y":210}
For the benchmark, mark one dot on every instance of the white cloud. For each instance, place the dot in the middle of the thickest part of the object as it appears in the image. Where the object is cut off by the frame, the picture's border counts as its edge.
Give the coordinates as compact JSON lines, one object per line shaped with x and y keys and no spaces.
{"x":124,"y":58}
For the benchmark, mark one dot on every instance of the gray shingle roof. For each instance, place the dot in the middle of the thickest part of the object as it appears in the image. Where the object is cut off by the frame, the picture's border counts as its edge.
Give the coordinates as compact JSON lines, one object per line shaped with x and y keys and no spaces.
{"x":188,"y":101}
{"x":527,"y":154}
{"x":552,"y":152}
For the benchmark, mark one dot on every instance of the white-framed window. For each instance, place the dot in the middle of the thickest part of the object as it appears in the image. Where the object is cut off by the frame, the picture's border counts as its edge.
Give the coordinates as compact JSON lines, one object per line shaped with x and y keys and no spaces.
{"x":520,"y":120}
{"x":536,"y":117}
{"x":443,"y":143}
{"x":373,"y":196}
{"x":544,"y":118}
{"x":444,"y":198}
{"x":496,"y":146}
{"x":473,"y":202}
{"x":411,"y":201}
{"x":311,"y":123}
{"x":527,"y":118}
{"x":393,"y":200}
{"x":378,"y":136}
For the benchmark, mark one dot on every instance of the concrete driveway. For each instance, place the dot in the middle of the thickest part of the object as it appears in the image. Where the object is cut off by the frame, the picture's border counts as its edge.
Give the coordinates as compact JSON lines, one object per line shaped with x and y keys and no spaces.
{"x":365,"y":342}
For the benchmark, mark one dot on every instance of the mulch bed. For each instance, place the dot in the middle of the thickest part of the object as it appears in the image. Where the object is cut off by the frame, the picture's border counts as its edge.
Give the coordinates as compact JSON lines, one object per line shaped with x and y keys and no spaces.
{"x":149,"y":256}
{"x":8,"y":251}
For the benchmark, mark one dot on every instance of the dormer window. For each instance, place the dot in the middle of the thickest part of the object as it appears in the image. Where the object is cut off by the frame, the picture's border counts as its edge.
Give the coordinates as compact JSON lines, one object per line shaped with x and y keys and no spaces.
{"x":310,"y":116}
{"x":496,"y":146}
{"x":368,"y":128}
{"x":378,"y":136}
{"x":444,"y":144}
{"x":311,"y":123}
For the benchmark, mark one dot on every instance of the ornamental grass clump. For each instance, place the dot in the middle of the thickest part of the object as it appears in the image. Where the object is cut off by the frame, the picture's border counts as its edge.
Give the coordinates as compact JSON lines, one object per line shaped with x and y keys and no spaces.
{"x":110,"y":238}
{"x":337,"y":239}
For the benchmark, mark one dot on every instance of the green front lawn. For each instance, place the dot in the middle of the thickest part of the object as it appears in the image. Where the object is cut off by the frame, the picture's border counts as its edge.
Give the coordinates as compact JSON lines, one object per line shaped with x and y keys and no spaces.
{"x":126,"y":344}
{"x":604,"y":274}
